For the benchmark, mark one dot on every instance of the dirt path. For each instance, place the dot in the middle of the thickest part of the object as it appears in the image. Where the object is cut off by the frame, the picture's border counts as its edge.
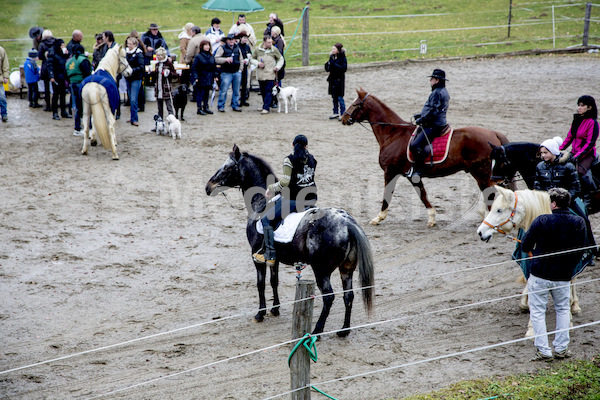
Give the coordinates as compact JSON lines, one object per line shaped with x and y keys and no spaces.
{"x":95,"y":252}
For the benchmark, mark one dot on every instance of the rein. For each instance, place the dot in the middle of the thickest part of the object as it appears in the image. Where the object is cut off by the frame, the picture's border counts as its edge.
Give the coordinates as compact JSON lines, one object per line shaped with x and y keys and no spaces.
{"x":360,"y":105}
{"x":510,"y":219}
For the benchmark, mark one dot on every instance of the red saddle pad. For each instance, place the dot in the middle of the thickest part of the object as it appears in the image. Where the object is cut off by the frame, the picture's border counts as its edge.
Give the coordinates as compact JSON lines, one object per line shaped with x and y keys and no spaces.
{"x":440,"y":144}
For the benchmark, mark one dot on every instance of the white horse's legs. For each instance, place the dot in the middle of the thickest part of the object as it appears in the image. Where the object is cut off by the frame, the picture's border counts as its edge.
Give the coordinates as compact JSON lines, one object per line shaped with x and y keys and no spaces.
{"x":86,"y":126}
{"x":110,"y":118}
{"x":523,"y":304}
{"x":575,"y":309}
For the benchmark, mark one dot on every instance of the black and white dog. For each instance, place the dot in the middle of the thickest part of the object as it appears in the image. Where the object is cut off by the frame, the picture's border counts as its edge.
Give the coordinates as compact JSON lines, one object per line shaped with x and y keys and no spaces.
{"x":285,"y":95}
{"x":180,"y":99}
{"x":159,"y":125}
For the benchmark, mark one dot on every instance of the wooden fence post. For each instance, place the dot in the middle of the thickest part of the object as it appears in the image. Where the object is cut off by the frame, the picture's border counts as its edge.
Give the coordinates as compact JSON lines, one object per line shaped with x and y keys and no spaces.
{"x":305,"y":36}
{"x":300,"y":361}
{"x":586,"y":23}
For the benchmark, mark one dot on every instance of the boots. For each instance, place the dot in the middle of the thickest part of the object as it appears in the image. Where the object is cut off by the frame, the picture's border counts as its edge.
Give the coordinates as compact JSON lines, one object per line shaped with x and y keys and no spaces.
{"x":207,"y":110}
{"x":269,"y":245}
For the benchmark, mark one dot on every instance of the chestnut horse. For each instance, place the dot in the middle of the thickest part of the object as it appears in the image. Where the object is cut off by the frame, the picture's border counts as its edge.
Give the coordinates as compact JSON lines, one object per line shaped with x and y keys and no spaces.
{"x":469,"y":150}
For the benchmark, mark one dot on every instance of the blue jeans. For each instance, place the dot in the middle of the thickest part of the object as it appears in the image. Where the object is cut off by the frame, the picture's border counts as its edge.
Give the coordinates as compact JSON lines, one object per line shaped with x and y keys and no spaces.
{"x":538,"y":302}
{"x":281,"y":208}
{"x":2,"y":100}
{"x":133,"y":91}
{"x":266,"y":91}
{"x":227,"y":78}
{"x":338,"y":101}
{"x":76,"y":95}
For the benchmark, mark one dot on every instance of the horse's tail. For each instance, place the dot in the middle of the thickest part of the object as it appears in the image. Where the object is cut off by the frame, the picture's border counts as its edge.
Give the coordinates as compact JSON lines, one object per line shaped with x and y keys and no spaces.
{"x":100,"y":123}
{"x":366,"y":269}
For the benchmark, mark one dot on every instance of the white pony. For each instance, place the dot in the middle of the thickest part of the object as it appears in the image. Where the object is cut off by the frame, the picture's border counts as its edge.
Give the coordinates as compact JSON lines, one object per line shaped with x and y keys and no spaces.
{"x":511,"y":211}
{"x":95,"y":103}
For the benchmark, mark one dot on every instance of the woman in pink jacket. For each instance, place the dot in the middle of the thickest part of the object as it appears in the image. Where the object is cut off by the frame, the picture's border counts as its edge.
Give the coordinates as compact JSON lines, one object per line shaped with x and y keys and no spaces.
{"x":583,"y":135}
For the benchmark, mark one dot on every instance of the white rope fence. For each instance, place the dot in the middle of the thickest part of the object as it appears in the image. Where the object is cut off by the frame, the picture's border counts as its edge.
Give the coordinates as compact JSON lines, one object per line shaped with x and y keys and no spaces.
{"x":367,"y":325}
{"x":459,"y":353}
{"x":204,"y":323}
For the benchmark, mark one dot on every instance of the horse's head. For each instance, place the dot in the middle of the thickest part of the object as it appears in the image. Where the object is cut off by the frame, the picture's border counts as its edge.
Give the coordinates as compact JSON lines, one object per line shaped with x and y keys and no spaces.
{"x":227,"y":176}
{"x":505,"y":214}
{"x":356,"y":111}
{"x":124,"y":67}
{"x":502,"y":170}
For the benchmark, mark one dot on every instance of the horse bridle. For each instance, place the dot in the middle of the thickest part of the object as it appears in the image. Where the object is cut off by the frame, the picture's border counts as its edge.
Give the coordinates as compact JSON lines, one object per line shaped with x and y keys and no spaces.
{"x":357,"y":107}
{"x":510,"y":219}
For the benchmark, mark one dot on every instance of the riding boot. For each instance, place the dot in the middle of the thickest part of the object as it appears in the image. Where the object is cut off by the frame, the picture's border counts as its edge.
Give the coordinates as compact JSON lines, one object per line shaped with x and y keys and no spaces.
{"x":266,"y":255}
{"x":207,"y":110}
{"x":269,"y":245}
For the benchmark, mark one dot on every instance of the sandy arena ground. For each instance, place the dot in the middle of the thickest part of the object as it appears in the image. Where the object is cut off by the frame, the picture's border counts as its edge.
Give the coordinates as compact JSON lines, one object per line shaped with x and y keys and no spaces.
{"x":96,"y":253}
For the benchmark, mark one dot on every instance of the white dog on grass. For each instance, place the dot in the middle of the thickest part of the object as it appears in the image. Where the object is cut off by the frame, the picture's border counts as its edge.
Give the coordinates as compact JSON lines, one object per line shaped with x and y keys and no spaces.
{"x":174,"y":127}
{"x":284,"y":95}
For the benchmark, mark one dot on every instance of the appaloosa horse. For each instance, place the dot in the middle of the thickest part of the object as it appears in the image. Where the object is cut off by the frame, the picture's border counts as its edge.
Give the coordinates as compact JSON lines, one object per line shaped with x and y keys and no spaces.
{"x":96,"y":100}
{"x":326,"y":238}
{"x":469,"y":150}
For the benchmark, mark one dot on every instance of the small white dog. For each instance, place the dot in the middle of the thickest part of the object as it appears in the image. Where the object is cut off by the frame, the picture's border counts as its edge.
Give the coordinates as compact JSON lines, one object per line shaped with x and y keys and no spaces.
{"x":174,"y":126}
{"x":284,"y":95}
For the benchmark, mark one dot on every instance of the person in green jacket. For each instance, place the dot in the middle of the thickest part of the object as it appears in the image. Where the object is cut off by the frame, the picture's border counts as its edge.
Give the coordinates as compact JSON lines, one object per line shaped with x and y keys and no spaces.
{"x":78,"y":68}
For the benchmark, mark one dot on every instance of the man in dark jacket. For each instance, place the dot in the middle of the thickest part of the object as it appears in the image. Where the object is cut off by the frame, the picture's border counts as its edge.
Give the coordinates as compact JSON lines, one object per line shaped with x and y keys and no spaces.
{"x":77,"y":38}
{"x":558,"y":232}
{"x":431,"y":122}
{"x":57,"y":58}
{"x":153,"y":40}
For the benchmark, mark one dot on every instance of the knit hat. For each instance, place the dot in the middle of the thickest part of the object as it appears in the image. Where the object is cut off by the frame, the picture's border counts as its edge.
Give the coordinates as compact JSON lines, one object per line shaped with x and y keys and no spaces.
{"x":553,"y":145}
{"x":301,"y":140}
{"x":33,"y":53}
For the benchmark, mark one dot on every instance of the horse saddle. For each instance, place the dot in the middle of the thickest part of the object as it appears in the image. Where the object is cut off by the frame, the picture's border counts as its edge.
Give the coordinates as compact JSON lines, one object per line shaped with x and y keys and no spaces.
{"x":439,"y":147}
{"x":287,"y":228}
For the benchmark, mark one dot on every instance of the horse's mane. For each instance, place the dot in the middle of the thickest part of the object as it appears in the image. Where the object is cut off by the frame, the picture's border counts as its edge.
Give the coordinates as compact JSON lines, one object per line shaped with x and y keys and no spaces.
{"x":536,"y":203}
{"x":393,"y":115}
{"x":263,"y":167}
{"x":521,"y":148}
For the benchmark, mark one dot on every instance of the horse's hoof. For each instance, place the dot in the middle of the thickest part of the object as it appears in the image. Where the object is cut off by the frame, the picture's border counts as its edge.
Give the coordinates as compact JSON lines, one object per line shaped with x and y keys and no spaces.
{"x":275,"y":311}
{"x":523,"y":307}
{"x":116,"y":158}
{"x":431,"y":224}
{"x":84,"y":153}
{"x":93,"y":143}
{"x":344,"y":333}
{"x":375,"y":221}
{"x":259,"y":317}
{"x":530,"y":333}
{"x":576,"y":310}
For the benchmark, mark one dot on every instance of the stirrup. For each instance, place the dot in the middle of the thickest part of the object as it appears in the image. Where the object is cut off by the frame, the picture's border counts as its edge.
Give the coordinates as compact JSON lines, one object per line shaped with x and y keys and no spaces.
{"x":260,"y":258}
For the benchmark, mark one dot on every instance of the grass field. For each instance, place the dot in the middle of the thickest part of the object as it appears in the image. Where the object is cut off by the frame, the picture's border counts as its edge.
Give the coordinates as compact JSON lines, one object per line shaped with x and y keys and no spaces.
{"x":370,"y":30}
{"x":575,"y":380}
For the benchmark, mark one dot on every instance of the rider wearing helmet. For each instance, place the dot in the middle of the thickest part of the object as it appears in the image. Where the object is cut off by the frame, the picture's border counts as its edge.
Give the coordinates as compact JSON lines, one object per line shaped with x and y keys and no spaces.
{"x":298,"y":192}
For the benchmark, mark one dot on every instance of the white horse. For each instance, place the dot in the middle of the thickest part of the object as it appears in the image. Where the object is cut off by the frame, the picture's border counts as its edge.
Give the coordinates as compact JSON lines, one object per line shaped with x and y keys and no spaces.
{"x":511,"y":211}
{"x":95,"y":103}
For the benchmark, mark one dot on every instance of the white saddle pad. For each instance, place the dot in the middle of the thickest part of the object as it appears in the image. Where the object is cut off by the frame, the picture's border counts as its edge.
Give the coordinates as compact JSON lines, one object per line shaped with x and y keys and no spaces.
{"x":285,"y":232}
